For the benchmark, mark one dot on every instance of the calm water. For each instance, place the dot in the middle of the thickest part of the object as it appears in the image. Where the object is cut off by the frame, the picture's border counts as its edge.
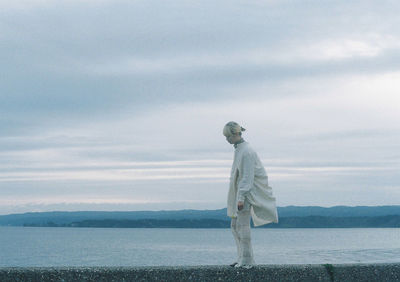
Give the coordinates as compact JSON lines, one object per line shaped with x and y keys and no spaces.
{"x":31,"y":246}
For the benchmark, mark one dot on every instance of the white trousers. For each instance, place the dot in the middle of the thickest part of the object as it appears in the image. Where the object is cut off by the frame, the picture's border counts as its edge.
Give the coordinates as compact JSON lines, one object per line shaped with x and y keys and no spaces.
{"x":240,"y":227}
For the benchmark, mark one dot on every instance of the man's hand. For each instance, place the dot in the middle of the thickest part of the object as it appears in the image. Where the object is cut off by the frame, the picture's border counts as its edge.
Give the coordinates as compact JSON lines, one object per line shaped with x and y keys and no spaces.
{"x":240,"y":205}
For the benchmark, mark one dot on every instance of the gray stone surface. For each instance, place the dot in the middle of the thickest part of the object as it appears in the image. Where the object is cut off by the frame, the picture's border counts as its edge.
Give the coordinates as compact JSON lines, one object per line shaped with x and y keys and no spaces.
{"x":366,"y":272}
{"x":345,"y":272}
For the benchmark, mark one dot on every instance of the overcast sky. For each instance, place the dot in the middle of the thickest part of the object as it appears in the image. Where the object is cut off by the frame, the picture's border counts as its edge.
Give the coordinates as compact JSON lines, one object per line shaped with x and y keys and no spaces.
{"x":120,"y":105}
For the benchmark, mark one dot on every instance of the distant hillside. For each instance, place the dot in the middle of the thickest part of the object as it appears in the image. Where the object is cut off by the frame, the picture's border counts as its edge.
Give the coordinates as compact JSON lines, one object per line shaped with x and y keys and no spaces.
{"x":67,"y":218}
{"x":338,"y":211}
{"x":59,"y":217}
{"x":285,"y":222}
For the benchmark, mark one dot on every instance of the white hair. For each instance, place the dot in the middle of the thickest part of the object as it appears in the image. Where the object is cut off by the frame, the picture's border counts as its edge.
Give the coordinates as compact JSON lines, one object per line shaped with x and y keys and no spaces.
{"x":232,"y":128}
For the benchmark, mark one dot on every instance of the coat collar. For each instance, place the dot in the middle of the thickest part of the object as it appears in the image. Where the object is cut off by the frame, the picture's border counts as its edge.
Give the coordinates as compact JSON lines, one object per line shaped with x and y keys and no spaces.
{"x":240,"y":145}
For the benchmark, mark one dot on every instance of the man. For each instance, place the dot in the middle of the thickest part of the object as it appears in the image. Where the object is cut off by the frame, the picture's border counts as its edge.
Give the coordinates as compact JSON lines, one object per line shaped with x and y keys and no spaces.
{"x":249,"y":194}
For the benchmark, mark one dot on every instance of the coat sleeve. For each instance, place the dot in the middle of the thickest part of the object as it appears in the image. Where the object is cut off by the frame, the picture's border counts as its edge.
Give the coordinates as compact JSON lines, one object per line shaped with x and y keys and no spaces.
{"x":247,"y":175}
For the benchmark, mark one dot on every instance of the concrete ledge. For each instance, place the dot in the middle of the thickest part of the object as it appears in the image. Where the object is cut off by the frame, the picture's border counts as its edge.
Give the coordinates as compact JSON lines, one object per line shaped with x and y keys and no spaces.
{"x":327,"y":272}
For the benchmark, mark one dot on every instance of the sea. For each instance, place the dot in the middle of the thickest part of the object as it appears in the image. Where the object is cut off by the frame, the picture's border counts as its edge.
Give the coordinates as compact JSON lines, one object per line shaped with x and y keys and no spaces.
{"x":57,"y":246}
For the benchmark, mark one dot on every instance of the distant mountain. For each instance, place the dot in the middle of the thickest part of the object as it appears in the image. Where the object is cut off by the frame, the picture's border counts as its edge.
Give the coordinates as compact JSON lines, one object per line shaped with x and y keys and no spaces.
{"x":143,"y":223}
{"x":310,"y":214}
{"x":338,"y":211}
{"x":285,"y":222}
{"x":59,"y":217}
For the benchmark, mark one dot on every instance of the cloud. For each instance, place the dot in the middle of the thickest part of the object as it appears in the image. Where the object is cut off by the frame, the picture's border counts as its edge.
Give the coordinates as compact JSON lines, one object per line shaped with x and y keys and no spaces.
{"x":126,"y":100}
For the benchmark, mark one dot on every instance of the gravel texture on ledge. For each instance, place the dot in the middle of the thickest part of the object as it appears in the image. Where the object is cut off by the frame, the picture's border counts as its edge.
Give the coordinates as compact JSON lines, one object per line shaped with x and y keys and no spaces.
{"x":309,"y":272}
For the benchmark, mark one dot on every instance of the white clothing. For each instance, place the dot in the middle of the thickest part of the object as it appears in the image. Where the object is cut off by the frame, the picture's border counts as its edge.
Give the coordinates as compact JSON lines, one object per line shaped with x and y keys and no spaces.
{"x":249,"y":181}
{"x":240,"y":227}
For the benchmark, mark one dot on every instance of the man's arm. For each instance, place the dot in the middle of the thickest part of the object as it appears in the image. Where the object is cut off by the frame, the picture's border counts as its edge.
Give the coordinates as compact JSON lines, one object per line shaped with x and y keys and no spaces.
{"x":247,"y":178}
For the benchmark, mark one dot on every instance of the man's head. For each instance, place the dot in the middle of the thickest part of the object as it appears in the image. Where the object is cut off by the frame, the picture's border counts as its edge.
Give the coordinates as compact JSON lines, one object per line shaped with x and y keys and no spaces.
{"x":233,"y":132}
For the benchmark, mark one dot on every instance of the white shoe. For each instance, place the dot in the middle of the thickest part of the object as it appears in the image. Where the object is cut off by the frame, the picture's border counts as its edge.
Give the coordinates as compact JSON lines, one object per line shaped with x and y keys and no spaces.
{"x":245,"y":266}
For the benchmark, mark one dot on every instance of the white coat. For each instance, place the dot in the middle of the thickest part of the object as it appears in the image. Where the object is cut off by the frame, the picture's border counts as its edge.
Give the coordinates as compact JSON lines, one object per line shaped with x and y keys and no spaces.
{"x":249,"y":181}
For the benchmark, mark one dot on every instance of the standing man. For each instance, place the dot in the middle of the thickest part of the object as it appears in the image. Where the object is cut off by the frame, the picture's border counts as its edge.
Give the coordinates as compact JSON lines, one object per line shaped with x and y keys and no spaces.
{"x":249,"y":194}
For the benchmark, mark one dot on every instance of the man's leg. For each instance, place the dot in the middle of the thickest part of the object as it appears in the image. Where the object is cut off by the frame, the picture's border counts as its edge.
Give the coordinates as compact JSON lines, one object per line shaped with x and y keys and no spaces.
{"x":243,"y":233}
{"x":236,"y":237}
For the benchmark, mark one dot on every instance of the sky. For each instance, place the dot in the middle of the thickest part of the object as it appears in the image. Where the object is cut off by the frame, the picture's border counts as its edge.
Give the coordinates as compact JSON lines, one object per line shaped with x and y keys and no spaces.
{"x":120,"y":105}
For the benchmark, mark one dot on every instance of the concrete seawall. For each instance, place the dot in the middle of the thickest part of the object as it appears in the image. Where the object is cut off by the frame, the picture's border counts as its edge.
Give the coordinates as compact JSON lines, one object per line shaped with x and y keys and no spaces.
{"x":315,"y":272}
